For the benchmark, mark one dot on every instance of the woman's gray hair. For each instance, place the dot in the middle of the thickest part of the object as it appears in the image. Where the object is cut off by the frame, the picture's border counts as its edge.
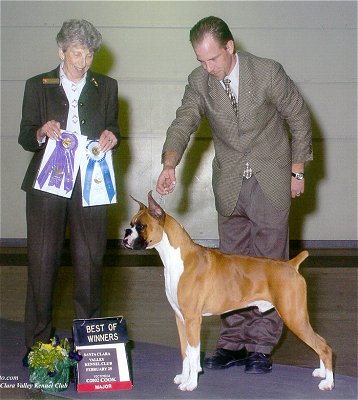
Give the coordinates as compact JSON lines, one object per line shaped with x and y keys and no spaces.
{"x":79,"y":32}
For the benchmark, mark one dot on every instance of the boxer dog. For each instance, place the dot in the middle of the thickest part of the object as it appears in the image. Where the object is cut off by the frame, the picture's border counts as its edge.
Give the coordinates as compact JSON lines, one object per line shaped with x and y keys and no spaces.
{"x":202,"y":281}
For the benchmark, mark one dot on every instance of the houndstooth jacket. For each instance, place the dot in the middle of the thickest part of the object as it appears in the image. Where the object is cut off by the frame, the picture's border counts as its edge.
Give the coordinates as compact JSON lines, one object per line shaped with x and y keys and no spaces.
{"x":268,"y":99}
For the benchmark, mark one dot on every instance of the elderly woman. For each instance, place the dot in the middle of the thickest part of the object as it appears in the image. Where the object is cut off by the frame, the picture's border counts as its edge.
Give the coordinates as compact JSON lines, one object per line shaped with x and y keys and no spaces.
{"x":72,"y":98}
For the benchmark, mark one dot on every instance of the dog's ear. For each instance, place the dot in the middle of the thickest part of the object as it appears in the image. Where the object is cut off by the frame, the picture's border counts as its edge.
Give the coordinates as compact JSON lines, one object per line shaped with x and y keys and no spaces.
{"x":154,"y":208}
{"x":141,"y":205}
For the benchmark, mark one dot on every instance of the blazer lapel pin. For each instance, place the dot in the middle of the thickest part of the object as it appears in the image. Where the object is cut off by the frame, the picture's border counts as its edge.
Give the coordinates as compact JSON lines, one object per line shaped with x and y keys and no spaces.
{"x":94,"y":82}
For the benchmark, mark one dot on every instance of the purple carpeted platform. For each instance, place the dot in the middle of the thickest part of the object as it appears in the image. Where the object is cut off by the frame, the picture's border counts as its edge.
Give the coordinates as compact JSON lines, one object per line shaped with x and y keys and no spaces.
{"x":154,"y":367}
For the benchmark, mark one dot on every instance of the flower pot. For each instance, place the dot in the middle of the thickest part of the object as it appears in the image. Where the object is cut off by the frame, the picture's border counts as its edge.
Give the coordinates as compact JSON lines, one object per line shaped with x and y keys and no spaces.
{"x":51,"y":381}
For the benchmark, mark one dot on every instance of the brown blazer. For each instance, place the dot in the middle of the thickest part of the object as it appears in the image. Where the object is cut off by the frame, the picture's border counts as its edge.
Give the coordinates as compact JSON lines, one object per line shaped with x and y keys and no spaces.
{"x":267,"y":99}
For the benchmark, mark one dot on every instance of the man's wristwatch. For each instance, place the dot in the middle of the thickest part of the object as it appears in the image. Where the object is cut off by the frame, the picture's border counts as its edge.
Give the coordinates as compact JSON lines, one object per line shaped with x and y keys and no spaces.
{"x":298,"y":175}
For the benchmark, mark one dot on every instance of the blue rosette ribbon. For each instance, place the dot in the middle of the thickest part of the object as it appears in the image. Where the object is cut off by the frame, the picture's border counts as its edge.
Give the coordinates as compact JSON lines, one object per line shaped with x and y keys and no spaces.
{"x":94,"y":155}
{"x":60,"y":164}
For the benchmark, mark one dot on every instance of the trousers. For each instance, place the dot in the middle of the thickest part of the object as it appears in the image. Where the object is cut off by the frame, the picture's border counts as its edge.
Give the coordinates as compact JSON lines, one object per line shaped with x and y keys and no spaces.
{"x":255,"y":228}
{"x":47,"y":218}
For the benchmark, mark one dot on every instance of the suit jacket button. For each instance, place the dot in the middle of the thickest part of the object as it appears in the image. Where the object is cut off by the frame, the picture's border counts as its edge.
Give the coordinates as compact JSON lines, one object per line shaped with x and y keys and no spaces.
{"x":83,"y":121}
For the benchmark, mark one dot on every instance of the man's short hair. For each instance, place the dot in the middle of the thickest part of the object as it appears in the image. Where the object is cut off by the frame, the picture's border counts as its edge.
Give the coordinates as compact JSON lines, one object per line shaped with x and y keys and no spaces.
{"x":213,"y":26}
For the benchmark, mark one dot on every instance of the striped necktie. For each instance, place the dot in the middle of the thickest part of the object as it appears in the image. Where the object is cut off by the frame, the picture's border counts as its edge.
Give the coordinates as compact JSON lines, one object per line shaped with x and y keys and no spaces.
{"x":231,"y":95}
{"x":248,"y":170}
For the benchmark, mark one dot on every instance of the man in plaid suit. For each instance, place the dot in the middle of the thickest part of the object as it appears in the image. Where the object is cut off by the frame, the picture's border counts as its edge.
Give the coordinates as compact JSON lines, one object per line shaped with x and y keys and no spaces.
{"x":257,"y":168}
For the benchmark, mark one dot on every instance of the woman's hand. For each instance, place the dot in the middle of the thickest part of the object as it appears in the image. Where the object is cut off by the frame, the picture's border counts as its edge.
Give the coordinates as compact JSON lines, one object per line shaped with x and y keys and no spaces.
{"x":51,"y":129}
{"x":107,"y":140}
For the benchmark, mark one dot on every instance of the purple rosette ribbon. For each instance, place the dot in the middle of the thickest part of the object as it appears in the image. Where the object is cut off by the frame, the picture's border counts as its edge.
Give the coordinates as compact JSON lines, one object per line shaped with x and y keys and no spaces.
{"x":60,"y":164}
{"x":94,"y":155}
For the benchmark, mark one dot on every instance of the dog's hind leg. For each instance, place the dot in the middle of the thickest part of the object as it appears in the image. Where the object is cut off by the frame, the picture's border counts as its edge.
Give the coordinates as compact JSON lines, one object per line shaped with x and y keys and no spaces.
{"x":320,"y":346}
{"x":295,"y":315}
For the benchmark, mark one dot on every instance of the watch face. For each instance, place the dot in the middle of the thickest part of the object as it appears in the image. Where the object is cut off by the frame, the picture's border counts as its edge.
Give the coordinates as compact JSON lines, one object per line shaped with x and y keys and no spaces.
{"x":298,"y":175}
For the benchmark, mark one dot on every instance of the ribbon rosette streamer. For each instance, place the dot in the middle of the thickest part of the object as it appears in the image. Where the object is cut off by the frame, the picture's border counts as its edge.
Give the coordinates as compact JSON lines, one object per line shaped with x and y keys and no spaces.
{"x":94,"y":155}
{"x":60,"y":165}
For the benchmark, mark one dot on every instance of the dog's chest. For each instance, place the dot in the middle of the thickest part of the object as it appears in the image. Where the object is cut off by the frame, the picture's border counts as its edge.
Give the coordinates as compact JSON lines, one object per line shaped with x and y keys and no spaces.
{"x":173,"y":269}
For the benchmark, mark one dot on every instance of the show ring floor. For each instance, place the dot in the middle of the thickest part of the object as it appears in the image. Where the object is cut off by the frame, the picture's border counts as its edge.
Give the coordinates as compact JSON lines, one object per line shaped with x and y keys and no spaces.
{"x":153,"y":368}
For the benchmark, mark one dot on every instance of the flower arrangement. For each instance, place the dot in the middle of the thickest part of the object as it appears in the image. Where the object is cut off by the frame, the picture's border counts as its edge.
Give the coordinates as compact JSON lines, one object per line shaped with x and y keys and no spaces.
{"x":50,"y":364}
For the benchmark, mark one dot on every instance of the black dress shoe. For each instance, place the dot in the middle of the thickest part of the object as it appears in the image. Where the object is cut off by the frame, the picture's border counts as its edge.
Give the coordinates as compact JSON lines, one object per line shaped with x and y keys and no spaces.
{"x":223,"y":358}
{"x":258,"y":363}
{"x":25,"y":360}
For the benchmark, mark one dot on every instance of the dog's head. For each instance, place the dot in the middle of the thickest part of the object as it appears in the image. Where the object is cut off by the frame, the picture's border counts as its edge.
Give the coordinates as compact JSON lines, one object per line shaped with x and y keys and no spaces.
{"x":146,"y":226}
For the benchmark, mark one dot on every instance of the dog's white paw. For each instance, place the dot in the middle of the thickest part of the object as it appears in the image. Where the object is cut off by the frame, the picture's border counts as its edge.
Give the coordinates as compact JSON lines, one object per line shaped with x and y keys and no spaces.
{"x":184,"y":376}
{"x":319,"y":373}
{"x":188,"y":386}
{"x":178,"y":379}
{"x":185,"y":384}
{"x":326,"y":374}
{"x":326,"y":384}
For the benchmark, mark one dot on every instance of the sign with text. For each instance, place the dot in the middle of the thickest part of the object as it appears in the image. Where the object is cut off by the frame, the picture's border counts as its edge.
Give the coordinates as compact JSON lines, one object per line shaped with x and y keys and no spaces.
{"x":104,"y":365}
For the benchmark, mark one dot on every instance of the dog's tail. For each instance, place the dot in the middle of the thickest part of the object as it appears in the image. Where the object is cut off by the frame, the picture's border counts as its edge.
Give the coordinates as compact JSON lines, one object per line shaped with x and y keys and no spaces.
{"x":295,"y":262}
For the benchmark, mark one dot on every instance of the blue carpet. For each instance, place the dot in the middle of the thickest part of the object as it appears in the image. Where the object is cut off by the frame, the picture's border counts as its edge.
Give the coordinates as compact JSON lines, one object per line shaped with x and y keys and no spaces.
{"x":154,"y":367}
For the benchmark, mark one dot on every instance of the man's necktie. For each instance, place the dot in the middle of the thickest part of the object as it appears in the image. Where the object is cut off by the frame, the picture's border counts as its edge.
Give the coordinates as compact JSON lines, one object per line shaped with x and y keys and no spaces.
{"x":248,"y":170}
{"x":231,"y":95}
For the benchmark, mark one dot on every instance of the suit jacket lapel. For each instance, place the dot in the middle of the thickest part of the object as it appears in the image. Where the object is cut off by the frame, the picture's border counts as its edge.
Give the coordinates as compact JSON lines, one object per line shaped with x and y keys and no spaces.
{"x":91,"y":83}
{"x":245,"y":88}
{"x":52,"y":85}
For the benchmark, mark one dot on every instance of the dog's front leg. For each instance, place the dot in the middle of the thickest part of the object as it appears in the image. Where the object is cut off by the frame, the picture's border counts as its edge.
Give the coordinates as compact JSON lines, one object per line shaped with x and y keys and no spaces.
{"x":189,"y":332}
{"x":192,"y":361}
{"x":188,"y":379}
{"x":184,"y":376}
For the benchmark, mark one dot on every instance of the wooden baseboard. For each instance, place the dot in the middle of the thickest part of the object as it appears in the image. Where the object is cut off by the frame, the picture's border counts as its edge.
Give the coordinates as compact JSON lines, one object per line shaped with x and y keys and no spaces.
{"x":294,"y":244}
